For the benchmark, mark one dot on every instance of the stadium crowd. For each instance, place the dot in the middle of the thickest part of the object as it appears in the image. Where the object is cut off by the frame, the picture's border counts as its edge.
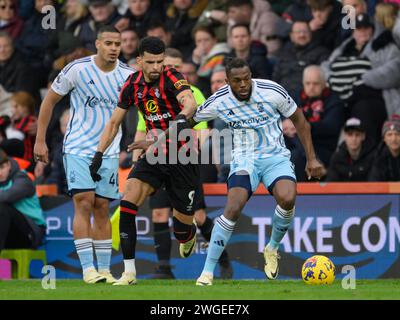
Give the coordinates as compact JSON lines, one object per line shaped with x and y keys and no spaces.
{"x":343,"y":73}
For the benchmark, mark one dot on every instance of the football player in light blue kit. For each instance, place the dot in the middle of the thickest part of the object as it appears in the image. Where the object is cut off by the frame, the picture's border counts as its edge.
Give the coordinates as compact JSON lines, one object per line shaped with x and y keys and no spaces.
{"x":252,"y":108}
{"x":93,"y":84}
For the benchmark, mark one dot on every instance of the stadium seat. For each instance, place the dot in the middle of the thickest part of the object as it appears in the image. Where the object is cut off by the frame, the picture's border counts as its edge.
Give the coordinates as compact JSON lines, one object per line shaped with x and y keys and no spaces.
{"x":21,"y":260}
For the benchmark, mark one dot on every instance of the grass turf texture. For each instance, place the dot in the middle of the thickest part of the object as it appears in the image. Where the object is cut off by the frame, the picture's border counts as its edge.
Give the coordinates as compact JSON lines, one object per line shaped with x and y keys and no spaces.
{"x":186,"y":289}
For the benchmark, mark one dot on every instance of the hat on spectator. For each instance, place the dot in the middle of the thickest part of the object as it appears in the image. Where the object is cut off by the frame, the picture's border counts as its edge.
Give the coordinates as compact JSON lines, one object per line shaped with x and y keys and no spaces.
{"x":353,"y":124}
{"x":392,"y":124}
{"x":363,"y":21}
{"x":98,"y":2}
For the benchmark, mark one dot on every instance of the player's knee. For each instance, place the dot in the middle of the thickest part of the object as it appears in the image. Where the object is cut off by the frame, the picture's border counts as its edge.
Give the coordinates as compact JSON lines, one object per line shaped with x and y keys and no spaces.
{"x":183,"y":232}
{"x":232,"y":211}
{"x":160,"y":215}
{"x":286,"y":200}
{"x":84,"y":204}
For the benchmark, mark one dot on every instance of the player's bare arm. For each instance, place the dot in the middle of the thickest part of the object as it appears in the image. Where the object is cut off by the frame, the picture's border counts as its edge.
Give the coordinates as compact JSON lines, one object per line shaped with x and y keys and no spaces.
{"x":40,"y":151}
{"x":107,"y":137}
{"x":314,"y":167}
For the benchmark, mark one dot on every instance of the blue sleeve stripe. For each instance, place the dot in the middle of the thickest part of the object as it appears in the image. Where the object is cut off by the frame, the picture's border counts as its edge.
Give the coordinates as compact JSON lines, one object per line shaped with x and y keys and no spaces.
{"x":270,"y":85}
{"x":75,"y":63}
{"x":213,"y":98}
{"x":274,"y":89}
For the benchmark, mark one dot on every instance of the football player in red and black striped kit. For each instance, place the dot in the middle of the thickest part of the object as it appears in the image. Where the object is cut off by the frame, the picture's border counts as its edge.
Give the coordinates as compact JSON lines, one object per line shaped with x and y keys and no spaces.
{"x":162,"y":95}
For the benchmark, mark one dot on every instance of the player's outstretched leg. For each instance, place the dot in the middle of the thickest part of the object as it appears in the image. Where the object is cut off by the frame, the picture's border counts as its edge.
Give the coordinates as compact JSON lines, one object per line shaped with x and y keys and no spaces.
{"x":127,"y":233}
{"x":222,"y":231}
{"x":224,"y":263}
{"x":185,"y":233}
{"x":102,"y":235}
{"x":285,"y":195}
{"x":83,"y":203}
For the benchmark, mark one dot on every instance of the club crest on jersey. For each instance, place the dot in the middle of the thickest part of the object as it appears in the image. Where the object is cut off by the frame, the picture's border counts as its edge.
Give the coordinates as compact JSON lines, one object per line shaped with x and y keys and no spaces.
{"x":151,"y":106}
{"x":140,"y":95}
{"x":157,"y":92}
{"x":180,"y":83}
{"x":260,"y":107}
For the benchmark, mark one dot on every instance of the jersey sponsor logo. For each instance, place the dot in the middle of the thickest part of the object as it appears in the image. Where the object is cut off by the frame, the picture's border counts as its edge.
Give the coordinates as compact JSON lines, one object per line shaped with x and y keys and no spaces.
{"x":158,"y":117}
{"x":152,"y":107}
{"x":92,"y":102}
{"x":180,"y":83}
{"x":241,"y":123}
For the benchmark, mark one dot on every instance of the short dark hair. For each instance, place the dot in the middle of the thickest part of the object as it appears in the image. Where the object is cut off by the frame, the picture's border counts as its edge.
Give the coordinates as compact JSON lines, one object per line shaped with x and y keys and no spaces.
{"x":203,"y":28}
{"x":320,"y":4}
{"x":155,"y":24}
{"x":3,"y":157}
{"x":234,"y":63}
{"x":240,"y":25}
{"x":106,"y":28}
{"x":151,"y":45}
{"x":131,"y":30}
{"x":239,"y":3}
{"x":173,"y":53}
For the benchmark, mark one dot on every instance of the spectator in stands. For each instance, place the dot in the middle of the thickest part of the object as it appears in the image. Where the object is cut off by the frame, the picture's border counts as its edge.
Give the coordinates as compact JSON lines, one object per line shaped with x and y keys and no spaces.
{"x":129,"y":45}
{"x":73,"y":14}
{"x":297,"y":11}
{"x":189,"y":71}
{"x":254,"y":52}
{"x":207,"y":55}
{"x":140,"y":15}
{"x":9,"y":19}
{"x":353,"y":159}
{"x":218,"y":80}
{"x":386,"y":166}
{"x":262,"y":20}
{"x":326,"y":22}
{"x":345,"y":68}
{"x":384,"y":54}
{"x":325,"y":112}
{"x":359,"y":7}
{"x":22,"y":224}
{"x":182,"y":16}
{"x":15,"y":75}
{"x":159,"y":30}
{"x":23,"y":120}
{"x":215,"y":16}
{"x":34,"y":41}
{"x":103,"y":12}
{"x":295,"y":55}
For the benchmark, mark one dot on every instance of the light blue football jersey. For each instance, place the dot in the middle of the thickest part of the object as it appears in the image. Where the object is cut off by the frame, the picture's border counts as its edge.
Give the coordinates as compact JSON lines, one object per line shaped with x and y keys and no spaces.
{"x":94,"y":96}
{"x":255,"y":124}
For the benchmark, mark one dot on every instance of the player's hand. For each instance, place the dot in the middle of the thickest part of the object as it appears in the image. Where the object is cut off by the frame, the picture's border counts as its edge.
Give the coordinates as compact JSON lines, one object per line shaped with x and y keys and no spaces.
{"x":141,"y":144}
{"x":315,"y":169}
{"x":95,"y":166}
{"x":40,"y":152}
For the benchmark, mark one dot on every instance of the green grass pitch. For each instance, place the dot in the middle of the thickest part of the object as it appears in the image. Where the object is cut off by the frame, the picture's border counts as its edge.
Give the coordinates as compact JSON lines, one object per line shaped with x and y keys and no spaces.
{"x":186,"y":289}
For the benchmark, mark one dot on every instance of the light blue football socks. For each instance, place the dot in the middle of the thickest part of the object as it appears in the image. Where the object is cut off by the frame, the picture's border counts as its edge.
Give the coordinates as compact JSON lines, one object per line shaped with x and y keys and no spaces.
{"x":220,"y":236}
{"x":84,"y":249}
{"x":280,"y":225}
{"x":103,"y":254}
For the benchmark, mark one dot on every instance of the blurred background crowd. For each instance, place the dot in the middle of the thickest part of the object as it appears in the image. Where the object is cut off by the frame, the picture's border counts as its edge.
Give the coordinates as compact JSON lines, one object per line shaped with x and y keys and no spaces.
{"x":342,"y":67}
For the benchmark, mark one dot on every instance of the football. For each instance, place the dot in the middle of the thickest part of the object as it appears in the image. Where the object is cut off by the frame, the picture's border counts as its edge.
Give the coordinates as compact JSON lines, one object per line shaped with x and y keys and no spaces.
{"x":318,"y":270}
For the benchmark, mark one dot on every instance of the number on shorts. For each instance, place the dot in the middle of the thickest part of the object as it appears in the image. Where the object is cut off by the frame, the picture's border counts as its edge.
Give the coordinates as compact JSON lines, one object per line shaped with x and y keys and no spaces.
{"x":114,"y":180}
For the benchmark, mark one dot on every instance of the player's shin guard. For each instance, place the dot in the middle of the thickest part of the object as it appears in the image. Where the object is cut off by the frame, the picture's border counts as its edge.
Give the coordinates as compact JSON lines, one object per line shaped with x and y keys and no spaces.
{"x":127,"y":229}
{"x":280,"y":225}
{"x":220,"y":236}
{"x":183,"y":232}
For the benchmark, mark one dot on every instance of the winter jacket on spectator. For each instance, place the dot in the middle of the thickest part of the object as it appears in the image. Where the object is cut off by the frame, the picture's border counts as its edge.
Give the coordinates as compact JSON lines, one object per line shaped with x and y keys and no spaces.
{"x":385,"y":166}
{"x":292,"y":60}
{"x":384,"y":55}
{"x":18,"y":190}
{"x":15,"y":75}
{"x":343,"y":168}
{"x":298,"y":11}
{"x":220,"y":29}
{"x":33,"y":43}
{"x":140,"y":24}
{"x":326,"y":117}
{"x":264,"y":26}
{"x":257,"y":59}
{"x":329,"y":35}
{"x":88,"y":30}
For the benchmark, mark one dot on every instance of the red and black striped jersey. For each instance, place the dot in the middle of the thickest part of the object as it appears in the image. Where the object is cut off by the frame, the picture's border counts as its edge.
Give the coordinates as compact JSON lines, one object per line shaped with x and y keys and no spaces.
{"x":156,"y":100}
